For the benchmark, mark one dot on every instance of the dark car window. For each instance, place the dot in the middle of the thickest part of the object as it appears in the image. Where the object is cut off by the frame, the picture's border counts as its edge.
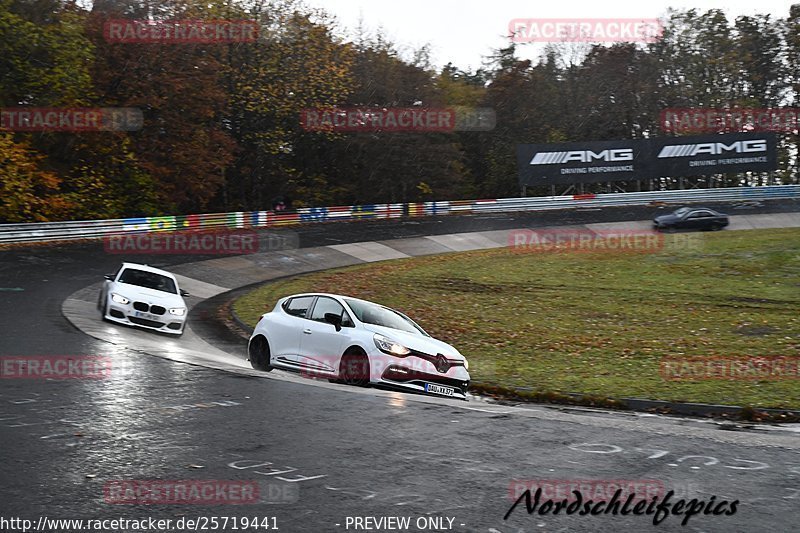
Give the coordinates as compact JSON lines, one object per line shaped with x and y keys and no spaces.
{"x":347,"y":321}
{"x":329,"y":305}
{"x":299,"y":306}
{"x":149,"y":280}
{"x":378,"y":315}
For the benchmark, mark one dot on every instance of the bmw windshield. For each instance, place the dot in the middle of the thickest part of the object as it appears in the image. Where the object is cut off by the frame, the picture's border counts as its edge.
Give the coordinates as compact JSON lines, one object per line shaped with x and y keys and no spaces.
{"x":148,"y":280}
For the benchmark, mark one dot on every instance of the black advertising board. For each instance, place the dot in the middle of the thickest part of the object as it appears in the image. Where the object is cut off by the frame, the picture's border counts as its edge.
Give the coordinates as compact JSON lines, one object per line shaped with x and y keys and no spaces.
{"x":567,"y":163}
{"x":564,"y":163}
{"x":713,"y":154}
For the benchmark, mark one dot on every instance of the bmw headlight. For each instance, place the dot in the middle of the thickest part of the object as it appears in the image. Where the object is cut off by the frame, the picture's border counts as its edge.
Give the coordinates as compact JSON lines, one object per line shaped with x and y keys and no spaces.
{"x":178,"y":311}
{"x":119,"y":299}
{"x":387,"y":345}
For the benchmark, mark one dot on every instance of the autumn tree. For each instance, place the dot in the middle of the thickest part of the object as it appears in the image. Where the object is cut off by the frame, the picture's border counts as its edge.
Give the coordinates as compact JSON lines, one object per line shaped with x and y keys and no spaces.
{"x":298,"y":64}
{"x":28,"y":191}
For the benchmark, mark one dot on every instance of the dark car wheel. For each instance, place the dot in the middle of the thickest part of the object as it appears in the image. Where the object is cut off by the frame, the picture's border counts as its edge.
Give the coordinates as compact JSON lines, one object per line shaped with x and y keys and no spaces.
{"x":354,"y":368}
{"x":102,"y":305}
{"x":716,"y":227}
{"x":259,"y":354}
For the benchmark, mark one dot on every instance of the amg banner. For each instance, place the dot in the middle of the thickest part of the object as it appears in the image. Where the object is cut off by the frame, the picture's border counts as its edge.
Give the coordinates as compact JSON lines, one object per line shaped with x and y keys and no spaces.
{"x":566,"y":163}
{"x":713,"y":154}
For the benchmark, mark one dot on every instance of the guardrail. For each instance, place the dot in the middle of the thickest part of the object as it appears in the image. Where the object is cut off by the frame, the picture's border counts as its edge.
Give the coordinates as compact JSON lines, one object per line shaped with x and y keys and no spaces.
{"x":73,"y":230}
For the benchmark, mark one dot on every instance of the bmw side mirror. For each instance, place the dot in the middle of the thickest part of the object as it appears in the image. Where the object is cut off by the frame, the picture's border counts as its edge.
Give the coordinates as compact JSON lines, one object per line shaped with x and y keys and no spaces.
{"x":109,"y":277}
{"x":336,"y":320}
{"x":184,"y":293}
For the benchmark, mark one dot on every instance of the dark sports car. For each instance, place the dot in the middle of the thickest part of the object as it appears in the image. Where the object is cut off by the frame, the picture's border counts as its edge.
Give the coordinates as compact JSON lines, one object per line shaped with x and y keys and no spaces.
{"x":700,"y":218}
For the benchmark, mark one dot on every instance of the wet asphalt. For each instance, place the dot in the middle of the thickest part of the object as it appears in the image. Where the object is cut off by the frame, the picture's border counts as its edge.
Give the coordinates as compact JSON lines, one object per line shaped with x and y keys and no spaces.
{"x":325,"y":460}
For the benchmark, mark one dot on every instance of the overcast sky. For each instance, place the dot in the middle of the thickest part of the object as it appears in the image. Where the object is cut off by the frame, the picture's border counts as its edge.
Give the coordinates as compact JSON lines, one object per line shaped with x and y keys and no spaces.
{"x":463,"y":31}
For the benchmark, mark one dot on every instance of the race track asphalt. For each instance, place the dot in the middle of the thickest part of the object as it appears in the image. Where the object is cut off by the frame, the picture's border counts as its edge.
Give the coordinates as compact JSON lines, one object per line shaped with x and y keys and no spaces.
{"x":323,"y":456}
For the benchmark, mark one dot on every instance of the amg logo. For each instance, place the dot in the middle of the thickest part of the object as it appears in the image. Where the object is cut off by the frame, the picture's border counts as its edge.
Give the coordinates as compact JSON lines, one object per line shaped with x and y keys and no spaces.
{"x":689,"y":150}
{"x":582,"y":156}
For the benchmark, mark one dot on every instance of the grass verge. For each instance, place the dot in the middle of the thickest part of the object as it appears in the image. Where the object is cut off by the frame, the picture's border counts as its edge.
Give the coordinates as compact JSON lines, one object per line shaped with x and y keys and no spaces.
{"x":595,"y":323}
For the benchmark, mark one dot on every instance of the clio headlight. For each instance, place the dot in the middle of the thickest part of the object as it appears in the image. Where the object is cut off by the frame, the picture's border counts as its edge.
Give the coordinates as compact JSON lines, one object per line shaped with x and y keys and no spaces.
{"x":387,"y":345}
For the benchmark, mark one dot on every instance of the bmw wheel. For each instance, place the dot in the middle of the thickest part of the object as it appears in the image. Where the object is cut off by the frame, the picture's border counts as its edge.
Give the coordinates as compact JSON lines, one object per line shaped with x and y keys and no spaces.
{"x":102,"y":305}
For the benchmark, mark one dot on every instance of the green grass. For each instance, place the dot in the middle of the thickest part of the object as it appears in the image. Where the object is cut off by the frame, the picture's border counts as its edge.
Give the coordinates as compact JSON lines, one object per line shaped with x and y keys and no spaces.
{"x":595,"y":323}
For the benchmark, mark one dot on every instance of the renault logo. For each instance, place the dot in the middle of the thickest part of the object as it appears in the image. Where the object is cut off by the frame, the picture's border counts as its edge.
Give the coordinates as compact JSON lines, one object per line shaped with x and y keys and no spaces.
{"x":442,"y":364}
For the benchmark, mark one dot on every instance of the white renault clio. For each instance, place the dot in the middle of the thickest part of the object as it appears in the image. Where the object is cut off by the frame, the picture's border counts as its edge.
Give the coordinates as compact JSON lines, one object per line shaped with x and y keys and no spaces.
{"x":140,"y":295}
{"x":356,"y":342}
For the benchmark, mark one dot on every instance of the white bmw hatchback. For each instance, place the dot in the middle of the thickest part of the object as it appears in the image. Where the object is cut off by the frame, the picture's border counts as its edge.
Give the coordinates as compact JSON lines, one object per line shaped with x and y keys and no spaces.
{"x":355,"y":342}
{"x":143,"y":296}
